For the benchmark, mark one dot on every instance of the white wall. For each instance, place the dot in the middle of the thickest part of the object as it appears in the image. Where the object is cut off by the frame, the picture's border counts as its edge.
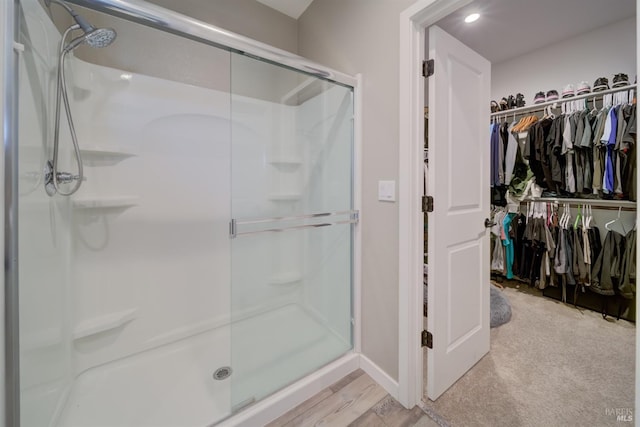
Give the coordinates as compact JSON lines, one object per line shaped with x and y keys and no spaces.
{"x":602,"y":52}
{"x":247,"y":17}
{"x":152,"y":52}
{"x":361,"y":36}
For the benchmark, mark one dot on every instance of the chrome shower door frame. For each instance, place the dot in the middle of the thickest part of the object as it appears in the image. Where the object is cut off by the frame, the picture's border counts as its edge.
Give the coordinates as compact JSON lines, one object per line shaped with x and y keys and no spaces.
{"x":10,"y":371}
{"x":152,"y":16}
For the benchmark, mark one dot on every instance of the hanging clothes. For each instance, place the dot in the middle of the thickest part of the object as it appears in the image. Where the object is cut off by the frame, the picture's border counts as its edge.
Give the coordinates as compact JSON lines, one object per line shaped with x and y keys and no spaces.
{"x":497,"y":253}
{"x":495,"y":155}
{"x":510,"y":155}
{"x":609,"y":141}
{"x":606,"y":270}
{"x":507,"y":242}
{"x":627,"y":284}
{"x":627,"y":154}
{"x":582,"y":153}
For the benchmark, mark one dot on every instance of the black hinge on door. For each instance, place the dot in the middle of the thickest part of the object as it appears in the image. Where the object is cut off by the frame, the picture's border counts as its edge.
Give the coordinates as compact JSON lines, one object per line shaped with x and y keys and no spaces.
{"x":427,"y":204}
{"x":427,"y":339}
{"x":428,"y":68}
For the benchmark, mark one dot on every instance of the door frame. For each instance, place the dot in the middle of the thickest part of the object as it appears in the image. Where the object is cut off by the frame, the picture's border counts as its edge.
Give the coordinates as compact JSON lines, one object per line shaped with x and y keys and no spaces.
{"x":413,"y":22}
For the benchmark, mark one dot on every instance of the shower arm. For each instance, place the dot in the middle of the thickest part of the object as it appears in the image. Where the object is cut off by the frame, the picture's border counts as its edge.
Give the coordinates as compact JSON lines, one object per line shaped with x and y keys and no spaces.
{"x":86,"y":27}
{"x":60,"y":3}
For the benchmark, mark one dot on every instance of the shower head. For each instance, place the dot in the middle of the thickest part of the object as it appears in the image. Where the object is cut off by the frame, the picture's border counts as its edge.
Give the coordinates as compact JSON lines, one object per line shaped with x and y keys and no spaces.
{"x":94,"y":37}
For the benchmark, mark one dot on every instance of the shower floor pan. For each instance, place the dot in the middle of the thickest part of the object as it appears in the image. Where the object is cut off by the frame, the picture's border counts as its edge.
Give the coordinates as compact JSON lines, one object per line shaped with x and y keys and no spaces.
{"x":173,"y":385}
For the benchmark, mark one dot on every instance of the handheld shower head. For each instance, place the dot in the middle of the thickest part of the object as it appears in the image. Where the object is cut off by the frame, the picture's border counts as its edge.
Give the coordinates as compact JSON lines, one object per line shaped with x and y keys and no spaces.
{"x":94,"y":37}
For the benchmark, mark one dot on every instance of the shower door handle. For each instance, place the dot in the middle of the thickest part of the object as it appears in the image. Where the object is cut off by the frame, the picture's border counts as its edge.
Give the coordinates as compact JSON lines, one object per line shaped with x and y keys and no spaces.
{"x":341,"y":217}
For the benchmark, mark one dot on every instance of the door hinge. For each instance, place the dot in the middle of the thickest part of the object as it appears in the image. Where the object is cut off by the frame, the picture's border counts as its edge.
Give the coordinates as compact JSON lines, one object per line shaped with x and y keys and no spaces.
{"x":427,"y":204}
{"x":427,"y":339}
{"x":428,"y":68}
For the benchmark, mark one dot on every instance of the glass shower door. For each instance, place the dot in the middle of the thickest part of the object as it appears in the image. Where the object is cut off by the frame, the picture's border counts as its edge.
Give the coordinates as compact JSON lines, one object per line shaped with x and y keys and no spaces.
{"x":291,"y":228}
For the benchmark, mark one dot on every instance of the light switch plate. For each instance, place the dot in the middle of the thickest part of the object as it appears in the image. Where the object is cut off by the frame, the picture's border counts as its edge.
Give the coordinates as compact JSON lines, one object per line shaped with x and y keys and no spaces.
{"x":387,"y":191}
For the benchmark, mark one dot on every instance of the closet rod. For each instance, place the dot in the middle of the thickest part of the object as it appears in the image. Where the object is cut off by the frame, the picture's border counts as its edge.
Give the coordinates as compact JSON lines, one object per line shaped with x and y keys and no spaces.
{"x":625,"y":205}
{"x":559,"y":101}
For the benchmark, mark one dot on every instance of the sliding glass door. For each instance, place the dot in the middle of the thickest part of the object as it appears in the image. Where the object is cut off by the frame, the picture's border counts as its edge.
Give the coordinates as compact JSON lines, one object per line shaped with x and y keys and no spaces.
{"x":291,"y":227}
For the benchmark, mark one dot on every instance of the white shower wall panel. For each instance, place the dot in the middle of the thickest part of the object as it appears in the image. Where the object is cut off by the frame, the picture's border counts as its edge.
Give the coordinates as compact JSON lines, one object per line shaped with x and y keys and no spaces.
{"x":163,"y":264}
{"x":266,"y":268}
{"x":152,"y":265}
{"x":291,"y":160}
{"x":325,"y":125}
{"x":137,"y":274}
{"x":45,"y":348}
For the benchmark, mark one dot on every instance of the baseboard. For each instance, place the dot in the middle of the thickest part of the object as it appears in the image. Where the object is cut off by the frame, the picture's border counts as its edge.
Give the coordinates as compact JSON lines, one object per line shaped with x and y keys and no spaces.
{"x":283,"y":401}
{"x":379,"y":376}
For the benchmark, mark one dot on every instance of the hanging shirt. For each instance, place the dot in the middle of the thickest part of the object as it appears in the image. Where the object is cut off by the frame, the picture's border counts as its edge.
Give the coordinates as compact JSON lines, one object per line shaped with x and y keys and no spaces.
{"x":503,"y":136}
{"x":627,"y":282}
{"x":495,"y":155}
{"x":510,"y":155}
{"x":508,"y":244}
{"x":607,"y":265}
{"x":628,"y":156}
{"x":608,"y":181}
{"x":598,"y":153}
{"x":622,"y":124}
{"x":585,"y":143}
{"x":555,"y":152}
{"x":567,"y":151}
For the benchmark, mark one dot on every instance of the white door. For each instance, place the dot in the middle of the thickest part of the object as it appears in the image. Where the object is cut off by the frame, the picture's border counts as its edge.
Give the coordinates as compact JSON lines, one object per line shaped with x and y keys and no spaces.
{"x":458,"y":291}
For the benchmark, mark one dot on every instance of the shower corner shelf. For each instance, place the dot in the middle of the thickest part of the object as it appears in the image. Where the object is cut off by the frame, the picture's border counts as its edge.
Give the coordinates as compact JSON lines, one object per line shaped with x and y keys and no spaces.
{"x":105,"y":202}
{"x":285,"y":197}
{"x":98,"y":151}
{"x":285,"y":161}
{"x":104,"y":323}
{"x":285,"y":279}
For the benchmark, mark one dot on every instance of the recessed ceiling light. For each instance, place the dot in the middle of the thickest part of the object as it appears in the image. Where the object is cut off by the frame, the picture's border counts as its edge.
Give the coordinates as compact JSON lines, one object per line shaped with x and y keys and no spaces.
{"x":472,"y":18}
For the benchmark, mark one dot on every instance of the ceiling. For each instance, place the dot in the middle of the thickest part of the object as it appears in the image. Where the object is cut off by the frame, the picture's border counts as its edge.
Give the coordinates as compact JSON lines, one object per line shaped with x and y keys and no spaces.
{"x":510,"y":28}
{"x":293,"y":8}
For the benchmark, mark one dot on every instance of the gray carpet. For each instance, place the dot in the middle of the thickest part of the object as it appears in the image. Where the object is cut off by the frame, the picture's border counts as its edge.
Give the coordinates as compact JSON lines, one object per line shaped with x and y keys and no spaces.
{"x":551,"y":365}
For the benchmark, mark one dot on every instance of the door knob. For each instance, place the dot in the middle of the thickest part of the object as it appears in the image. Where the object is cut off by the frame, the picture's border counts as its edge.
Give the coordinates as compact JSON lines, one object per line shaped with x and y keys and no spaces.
{"x":488,"y":223}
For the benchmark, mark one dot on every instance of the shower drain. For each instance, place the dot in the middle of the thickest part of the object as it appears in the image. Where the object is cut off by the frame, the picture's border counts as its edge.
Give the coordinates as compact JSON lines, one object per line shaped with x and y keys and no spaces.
{"x":222,"y":373}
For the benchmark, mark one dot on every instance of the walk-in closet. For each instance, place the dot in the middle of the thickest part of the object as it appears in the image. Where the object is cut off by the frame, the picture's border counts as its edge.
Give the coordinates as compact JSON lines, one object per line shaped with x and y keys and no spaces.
{"x":561,"y":138}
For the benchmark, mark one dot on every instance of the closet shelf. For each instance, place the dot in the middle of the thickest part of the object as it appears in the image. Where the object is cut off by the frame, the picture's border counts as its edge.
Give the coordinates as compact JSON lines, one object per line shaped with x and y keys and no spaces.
{"x":105,"y":202}
{"x":104,"y":323}
{"x":605,"y":203}
{"x":541,"y":105}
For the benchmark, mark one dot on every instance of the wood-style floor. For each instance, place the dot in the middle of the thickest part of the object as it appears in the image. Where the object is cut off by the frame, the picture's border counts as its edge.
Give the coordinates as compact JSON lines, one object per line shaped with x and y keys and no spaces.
{"x":355,"y":401}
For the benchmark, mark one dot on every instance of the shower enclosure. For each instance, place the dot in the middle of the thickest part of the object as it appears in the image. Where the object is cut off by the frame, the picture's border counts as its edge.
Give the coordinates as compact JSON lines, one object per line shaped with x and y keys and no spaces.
{"x":206,"y":262}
